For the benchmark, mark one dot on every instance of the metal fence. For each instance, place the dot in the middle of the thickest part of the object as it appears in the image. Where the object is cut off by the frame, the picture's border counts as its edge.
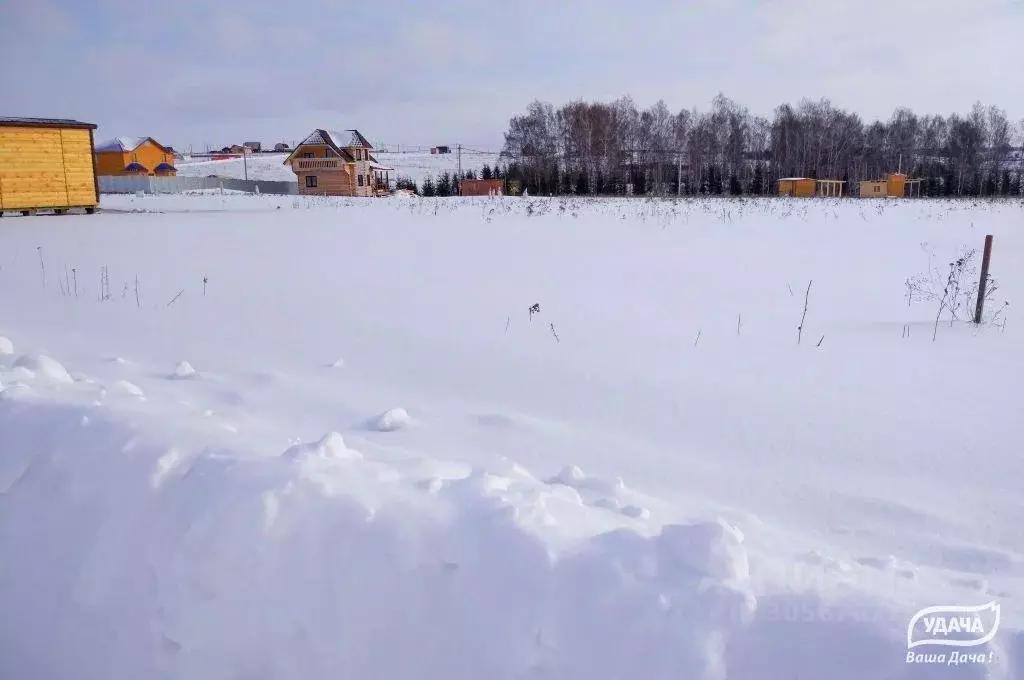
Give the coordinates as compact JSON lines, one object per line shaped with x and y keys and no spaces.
{"x":131,"y":184}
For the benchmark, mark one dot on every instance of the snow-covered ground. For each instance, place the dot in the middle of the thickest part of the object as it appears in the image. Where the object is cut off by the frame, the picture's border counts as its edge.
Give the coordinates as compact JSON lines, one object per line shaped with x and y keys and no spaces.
{"x":415,"y":165}
{"x":327,"y":438}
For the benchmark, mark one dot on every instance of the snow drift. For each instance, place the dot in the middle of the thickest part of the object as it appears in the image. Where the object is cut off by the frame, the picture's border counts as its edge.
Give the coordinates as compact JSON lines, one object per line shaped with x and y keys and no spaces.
{"x":139,"y":560}
{"x":650,"y":477}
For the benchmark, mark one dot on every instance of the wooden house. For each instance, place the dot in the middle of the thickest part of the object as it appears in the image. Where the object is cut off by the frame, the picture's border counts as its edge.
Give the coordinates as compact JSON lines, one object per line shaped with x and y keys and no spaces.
{"x":481,"y":187}
{"x":47,"y":164}
{"x":797,"y":186}
{"x":338,"y":163}
{"x":895,"y":184}
{"x":440,"y":149}
{"x":873,"y":188}
{"x":134,"y":156}
{"x":253,"y":147}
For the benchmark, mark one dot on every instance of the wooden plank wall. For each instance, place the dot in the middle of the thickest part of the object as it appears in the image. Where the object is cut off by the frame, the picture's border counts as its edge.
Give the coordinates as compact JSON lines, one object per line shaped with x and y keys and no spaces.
{"x":46,"y":168}
{"x":78,"y":167}
{"x":328,"y":183}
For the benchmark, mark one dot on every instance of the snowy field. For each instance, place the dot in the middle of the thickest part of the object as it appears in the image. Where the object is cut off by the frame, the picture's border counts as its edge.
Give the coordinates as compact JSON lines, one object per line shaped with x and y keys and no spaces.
{"x":278,"y":438}
{"x":269,"y":167}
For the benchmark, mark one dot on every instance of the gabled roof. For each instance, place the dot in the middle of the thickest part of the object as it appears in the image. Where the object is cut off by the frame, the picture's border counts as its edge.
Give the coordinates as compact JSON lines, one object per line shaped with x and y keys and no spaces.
{"x":45,"y":122}
{"x":126,"y":144}
{"x":134,"y":167}
{"x":324,"y":138}
{"x":349,"y":138}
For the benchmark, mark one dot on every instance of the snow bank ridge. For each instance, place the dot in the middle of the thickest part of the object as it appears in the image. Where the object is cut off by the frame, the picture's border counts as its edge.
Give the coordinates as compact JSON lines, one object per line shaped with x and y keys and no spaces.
{"x":482,"y":575}
{"x":40,"y":365}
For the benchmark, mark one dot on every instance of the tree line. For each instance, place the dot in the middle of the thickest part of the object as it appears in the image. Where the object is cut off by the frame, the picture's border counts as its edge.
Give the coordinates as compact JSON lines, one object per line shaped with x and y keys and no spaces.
{"x":447,"y":183}
{"x":616,"y":148}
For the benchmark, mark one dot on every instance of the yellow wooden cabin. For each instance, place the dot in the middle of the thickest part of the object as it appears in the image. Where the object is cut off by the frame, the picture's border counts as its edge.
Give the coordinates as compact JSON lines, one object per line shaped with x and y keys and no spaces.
{"x":338,"y":163}
{"x":134,"y":156}
{"x":47,"y":164}
{"x":797,"y":186}
{"x":895,"y":184}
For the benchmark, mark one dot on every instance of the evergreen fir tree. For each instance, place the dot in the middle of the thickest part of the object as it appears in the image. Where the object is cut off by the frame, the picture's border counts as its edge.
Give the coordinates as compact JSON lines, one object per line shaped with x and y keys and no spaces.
{"x":1014,"y":186}
{"x":428,"y":186}
{"x":734,"y":185}
{"x":757,"y":185}
{"x":714,"y":181}
{"x":639,"y":182}
{"x":583,"y":183}
{"x":444,"y":184}
{"x":485,"y":172}
{"x":989,"y":185}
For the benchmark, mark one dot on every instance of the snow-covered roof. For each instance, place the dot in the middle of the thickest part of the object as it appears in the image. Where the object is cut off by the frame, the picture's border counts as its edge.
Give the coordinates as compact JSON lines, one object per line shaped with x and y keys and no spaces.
{"x":348,"y":138}
{"x":122,"y":144}
{"x":377,"y":166}
{"x":791,"y":179}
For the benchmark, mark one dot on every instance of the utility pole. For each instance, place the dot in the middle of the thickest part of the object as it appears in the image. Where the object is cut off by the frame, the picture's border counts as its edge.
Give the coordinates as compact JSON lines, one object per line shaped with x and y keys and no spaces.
{"x":245,"y":163}
{"x":459,"y":148}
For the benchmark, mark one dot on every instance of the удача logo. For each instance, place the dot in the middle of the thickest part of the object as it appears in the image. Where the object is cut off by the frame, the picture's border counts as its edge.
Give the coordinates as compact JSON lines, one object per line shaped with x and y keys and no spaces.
{"x":953,"y":626}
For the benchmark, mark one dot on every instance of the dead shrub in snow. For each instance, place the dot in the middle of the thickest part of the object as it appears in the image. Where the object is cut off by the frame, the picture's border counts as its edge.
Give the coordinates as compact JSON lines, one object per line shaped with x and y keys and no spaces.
{"x":955,"y":290}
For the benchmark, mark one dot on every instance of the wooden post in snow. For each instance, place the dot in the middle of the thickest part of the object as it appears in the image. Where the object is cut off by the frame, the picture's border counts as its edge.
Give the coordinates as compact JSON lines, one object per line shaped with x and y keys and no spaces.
{"x":983,"y":283}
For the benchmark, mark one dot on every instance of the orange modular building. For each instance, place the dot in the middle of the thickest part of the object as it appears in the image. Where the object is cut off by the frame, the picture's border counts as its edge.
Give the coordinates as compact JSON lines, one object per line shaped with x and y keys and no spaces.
{"x":895,"y":184}
{"x":481,"y":187}
{"x":134,"y":156}
{"x":338,"y":163}
{"x":797,"y":186}
{"x":47,"y":164}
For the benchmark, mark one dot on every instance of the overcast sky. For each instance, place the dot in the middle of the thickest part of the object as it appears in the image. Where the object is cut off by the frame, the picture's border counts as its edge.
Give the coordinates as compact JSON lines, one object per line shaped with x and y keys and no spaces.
{"x":195,"y":72}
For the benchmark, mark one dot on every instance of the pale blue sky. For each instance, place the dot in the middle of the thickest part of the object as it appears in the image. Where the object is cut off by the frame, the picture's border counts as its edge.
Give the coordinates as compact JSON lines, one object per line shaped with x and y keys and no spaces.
{"x":190,"y":72}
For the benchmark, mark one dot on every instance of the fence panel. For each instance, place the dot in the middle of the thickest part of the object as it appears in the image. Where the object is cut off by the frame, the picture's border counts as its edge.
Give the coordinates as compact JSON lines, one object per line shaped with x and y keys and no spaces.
{"x":130,"y":184}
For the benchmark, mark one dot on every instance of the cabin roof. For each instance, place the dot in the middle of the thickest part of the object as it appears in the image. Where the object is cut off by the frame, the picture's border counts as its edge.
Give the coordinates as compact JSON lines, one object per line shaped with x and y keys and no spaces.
{"x":126,"y":144}
{"x":331,"y":138}
{"x":122,"y":144}
{"x":349,"y":138}
{"x":45,"y":122}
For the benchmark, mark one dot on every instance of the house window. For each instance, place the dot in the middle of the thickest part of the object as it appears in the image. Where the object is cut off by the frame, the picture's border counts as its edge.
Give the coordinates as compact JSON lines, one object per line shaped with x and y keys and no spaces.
{"x":308,"y":154}
{"x":360,"y":180}
{"x":310,"y":181}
